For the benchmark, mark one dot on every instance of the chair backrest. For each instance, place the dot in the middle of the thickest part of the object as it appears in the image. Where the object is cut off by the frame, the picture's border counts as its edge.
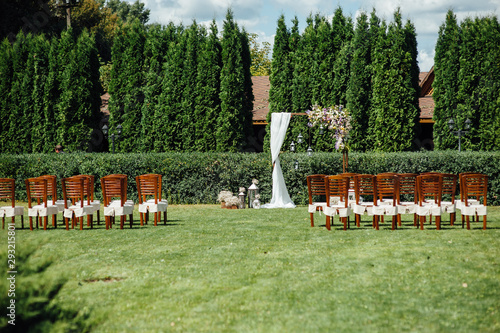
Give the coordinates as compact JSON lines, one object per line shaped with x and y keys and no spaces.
{"x":350,"y":176}
{"x":337,"y":186}
{"x":408,"y":186}
{"x":51,"y":186}
{"x":316,"y":186}
{"x":74,"y":190}
{"x":148,"y":185}
{"x":36,"y":189}
{"x":388,"y":187}
{"x":449,"y":186}
{"x":114,"y":186}
{"x":429,"y":187}
{"x":475,"y":186}
{"x":365,"y":186}
{"x":8,"y":190}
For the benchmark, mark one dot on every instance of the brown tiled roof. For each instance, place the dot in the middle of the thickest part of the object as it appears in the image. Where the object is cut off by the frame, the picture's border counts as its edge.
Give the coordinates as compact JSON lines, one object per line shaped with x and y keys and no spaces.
{"x":260,"y":88}
{"x":426,"y":107}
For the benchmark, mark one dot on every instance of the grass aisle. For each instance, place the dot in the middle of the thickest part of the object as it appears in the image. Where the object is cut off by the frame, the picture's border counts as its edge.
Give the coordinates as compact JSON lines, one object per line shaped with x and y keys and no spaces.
{"x":216,"y":270}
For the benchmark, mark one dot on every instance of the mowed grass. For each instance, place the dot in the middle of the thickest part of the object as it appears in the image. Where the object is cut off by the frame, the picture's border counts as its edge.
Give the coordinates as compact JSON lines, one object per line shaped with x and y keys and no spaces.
{"x":218,"y":270}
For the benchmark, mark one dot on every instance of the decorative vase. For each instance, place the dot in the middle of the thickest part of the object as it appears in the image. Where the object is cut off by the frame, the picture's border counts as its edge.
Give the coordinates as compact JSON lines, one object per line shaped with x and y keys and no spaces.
{"x":256,"y":204}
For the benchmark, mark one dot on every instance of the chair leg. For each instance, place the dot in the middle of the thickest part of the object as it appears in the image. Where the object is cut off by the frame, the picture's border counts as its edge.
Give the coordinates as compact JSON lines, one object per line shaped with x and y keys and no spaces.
{"x":312,"y":219}
{"x":484,"y":222}
{"x":156,"y":219}
{"x":3,"y":222}
{"x":98,"y":217}
{"x":165,"y":217}
{"x":358,"y":218}
{"x":438,"y":222}
{"x":452,"y":218}
{"x":45,"y":221}
{"x":22,"y":222}
{"x":130,"y":218}
{"x":327,"y":223}
{"x":468,"y":222}
{"x":141,"y":216}
{"x":422,"y":221}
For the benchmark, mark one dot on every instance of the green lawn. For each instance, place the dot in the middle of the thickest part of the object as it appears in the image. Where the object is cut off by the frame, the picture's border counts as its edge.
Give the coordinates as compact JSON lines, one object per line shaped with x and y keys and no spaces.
{"x":217,"y":270}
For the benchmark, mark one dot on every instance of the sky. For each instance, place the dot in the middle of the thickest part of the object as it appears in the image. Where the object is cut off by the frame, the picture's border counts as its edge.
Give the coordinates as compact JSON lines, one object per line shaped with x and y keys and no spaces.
{"x":261,"y":16}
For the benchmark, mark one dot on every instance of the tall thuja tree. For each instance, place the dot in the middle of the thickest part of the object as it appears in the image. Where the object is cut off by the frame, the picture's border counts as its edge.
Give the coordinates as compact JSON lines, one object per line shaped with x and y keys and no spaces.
{"x":358,"y":96}
{"x":324,"y":55}
{"x":39,"y":59}
{"x":79,"y":103}
{"x":155,"y":47}
{"x":51,"y":96}
{"x":280,"y":94}
{"x":230,"y":129}
{"x":168,"y":116}
{"x":445,"y":85}
{"x":489,"y":121}
{"x":6,"y":74}
{"x":126,"y":85}
{"x":304,"y":65}
{"x":478,"y":77}
{"x":298,"y":125}
{"x":247,"y":115}
{"x":19,"y":123}
{"x":194,"y":36}
{"x":395,"y":109}
{"x":342,"y":33}
{"x":208,"y":104}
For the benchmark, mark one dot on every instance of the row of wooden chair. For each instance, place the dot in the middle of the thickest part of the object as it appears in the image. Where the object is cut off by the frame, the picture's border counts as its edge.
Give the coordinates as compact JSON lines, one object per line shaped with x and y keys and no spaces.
{"x":78,"y":200}
{"x":391,"y":194}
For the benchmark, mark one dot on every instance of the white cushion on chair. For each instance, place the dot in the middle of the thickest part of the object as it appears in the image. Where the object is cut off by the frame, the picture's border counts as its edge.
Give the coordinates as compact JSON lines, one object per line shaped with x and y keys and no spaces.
{"x":59,"y":204}
{"x":150,"y":206}
{"x":41,"y":210}
{"x":79,"y":211}
{"x":337,"y":209}
{"x":9,"y":211}
{"x":363,"y":208}
{"x":313,"y":207}
{"x":407,"y":208}
{"x":448,"y":206}
{"x":480,"y":210}
{"x":116,"y":209}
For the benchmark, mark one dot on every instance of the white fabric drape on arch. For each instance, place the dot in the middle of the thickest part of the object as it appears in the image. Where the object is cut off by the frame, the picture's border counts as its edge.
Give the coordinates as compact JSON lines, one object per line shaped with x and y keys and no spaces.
{"x":279,"y":125}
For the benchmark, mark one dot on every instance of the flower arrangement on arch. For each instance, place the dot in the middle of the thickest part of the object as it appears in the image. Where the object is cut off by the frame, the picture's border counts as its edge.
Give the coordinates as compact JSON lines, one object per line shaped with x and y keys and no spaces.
{"x":336,"y":119}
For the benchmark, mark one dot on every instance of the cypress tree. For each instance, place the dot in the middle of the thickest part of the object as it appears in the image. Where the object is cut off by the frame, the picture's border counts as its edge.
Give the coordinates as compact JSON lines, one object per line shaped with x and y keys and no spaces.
{"x":342,"y":32}
{"x":280,"y":94}
{"x":155,"y":47}
{"x":358,"y":96}
{"x":478,"y":77}
{"x":51,"y":96}
{"x":395,"y":110}
{"x":39,"y":53}
{"x":170,"y":107}
{"x":208,"y":104}
{"x":126,"y":85}
{"x":19,"y":122}
{"x":190,"y":125}
{"x":445,"y":85}
{"x":230,"y":128}
{"x":247,"y":115}
{"x":6,"y":73}
{"x":80,"y":96}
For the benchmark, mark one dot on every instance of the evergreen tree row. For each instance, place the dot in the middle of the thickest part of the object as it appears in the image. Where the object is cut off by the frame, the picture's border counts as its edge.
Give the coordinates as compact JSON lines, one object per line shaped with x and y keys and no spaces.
{"x":369,"y":67}
{"x":467,"y":82}
{"x":50,"y":92}
{"x":179,"y":88}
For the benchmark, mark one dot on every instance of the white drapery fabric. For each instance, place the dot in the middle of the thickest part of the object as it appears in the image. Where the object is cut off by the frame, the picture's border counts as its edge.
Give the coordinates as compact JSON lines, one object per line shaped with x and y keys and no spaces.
{"x":279,"y":125}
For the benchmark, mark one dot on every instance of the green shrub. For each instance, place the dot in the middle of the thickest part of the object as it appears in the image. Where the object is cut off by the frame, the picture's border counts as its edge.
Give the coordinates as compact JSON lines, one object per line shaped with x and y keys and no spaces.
{"x":192,"y":178}
{"x":36,"y":307}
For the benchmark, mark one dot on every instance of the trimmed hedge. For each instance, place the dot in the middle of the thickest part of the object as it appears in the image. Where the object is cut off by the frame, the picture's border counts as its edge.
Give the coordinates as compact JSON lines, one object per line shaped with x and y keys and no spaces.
{"x":192,"y":178}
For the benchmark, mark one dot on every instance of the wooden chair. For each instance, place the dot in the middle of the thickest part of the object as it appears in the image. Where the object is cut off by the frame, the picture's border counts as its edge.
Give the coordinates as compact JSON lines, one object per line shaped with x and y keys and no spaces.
{"x":461,"y":202}
{"x":429,"y":188}
{"x":475,"y":187}
{"x":36,"y":190}
{"x":89,"y":195}
{"x":350,"y":176}
{"x":365,"y":190}
{"x":8,"y":193}
{"x":75,"y":192}
{"x":114,"y":193}
{"x":408,"y":196}
{"x":52,"y":196}
{"x":337,"y":200}
{"x":149,"y":191}
{"x":316,"y":190}
{"x":388,"y":196}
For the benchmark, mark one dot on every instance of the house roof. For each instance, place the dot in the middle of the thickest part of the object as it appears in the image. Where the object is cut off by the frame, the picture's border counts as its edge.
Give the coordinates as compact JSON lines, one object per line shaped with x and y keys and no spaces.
{"x":261,"y":87}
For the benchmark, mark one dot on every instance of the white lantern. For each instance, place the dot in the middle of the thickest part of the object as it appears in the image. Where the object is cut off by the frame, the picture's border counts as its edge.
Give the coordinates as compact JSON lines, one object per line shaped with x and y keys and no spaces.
{"x":253,"y":190}
{"x":242,"y":200}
